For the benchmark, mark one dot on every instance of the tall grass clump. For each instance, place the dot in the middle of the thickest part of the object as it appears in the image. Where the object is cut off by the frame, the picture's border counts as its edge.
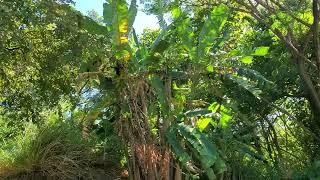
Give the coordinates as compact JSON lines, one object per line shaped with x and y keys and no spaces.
{"x":52,"y":150}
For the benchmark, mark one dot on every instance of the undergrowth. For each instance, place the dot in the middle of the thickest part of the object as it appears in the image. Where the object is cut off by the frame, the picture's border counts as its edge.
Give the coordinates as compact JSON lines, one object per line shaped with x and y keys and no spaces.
{"x":53,"y":150}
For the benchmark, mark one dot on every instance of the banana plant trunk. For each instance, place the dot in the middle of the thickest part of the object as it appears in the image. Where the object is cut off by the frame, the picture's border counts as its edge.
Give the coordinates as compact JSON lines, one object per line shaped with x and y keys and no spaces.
{"x":148,"y":156}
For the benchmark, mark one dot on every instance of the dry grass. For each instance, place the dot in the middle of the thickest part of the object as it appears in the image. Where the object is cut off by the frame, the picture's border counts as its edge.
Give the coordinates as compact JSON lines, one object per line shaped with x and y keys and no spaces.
{"x":52,"y":151}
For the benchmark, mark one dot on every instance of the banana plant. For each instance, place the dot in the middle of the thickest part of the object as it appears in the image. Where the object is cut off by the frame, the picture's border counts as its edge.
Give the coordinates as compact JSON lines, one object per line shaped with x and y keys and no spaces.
{"x":119,"y":19}
{"x":198,"y":46}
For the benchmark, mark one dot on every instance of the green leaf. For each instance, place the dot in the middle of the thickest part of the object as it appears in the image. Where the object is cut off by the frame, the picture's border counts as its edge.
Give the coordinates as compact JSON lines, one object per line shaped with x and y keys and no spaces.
{"x":132,"y":13}
{"x":210,"y":68}
{"x":178,"y":75}
{"x":197,"y":112}
{"x":205,"y":149}
{"x":214,"y":107}
{"x":171,"y":136}
{"x":220,"y":166}
{"x":186,"y":33}
{"x":225,"y":116}
{"x":155,"y":53}
{"x":247,"y":59}
{"x":51,"y":26}
{"x":261,"y":51}
{"x":176,"y":12}
{"x":211,"y":28}
{"x":93,"y":27}
{"x":157,"y":84}
{"x":194,"y":113}
{"x":224,"y":111}
{"x":210,"y":174}
{"x":234,"y":52}
{"x":247,"y":84}
{"x":161,"y":46}
{"x":252,"y":74}
{"x":108,"y":14}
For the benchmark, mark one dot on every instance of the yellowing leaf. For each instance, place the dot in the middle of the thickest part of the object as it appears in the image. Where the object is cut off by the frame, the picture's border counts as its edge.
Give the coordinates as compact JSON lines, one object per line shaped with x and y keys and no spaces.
{"x":126,"y":57}
{"x":123,"y":26}
{"x":124,"y":40}
{"x":123,"y":55}
{"x":203,"y":123}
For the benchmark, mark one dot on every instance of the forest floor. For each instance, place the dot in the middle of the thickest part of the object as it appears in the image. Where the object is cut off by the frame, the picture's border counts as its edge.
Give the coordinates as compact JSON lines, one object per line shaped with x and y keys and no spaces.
{"x":95,"y":174}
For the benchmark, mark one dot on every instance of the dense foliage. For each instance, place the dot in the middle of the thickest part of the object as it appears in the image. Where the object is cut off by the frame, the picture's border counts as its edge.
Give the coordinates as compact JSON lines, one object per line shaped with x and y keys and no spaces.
{"x":223,"y":90}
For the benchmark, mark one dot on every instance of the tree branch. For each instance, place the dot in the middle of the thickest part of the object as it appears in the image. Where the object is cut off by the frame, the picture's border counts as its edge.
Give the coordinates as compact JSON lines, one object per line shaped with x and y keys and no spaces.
{"x":315,"y":11}
{"x":301,"y":59}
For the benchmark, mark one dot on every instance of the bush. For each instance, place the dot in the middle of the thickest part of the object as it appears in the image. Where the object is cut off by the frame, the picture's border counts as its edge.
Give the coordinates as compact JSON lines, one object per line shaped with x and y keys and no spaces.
{"x":54,"y":150}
